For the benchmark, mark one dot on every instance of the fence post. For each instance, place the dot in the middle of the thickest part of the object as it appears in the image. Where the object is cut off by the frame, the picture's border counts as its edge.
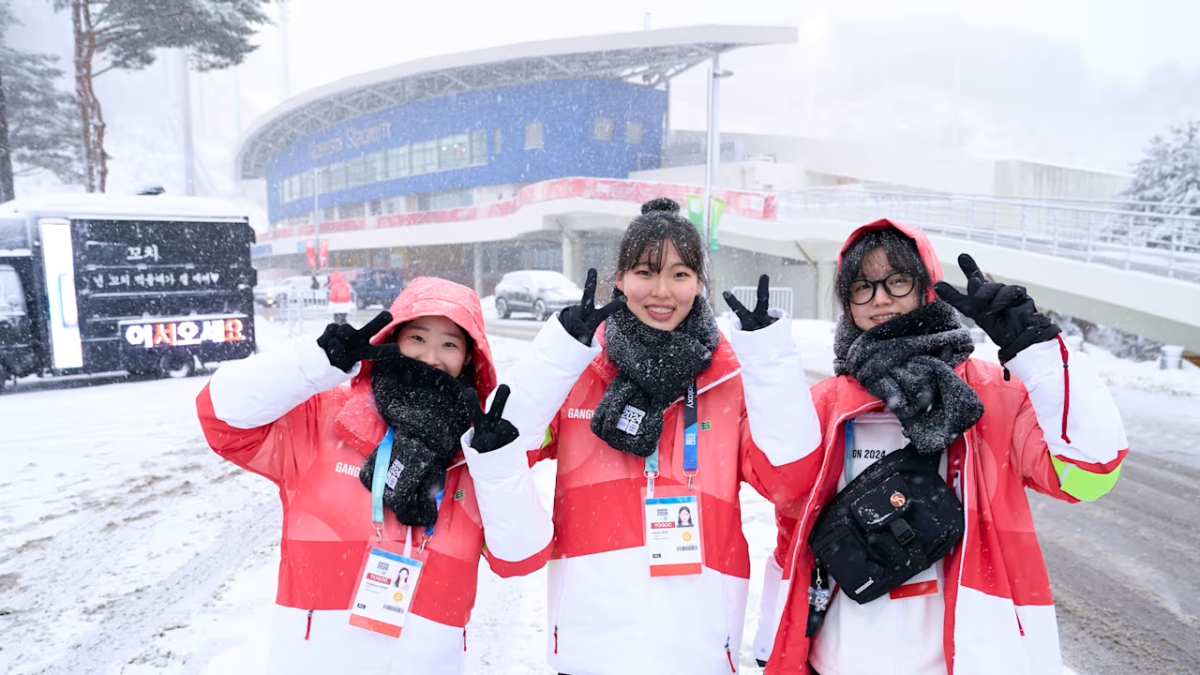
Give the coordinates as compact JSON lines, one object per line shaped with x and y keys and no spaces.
{"x":1171,"y":254}
{"x":1055,"y":219}
{"x":1090,"y":231}
{"x":1023,"y":217}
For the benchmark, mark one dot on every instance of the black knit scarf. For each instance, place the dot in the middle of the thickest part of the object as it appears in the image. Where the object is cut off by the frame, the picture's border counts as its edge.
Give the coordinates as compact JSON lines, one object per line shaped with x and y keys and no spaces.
{"x":908,"y":363}
{"x":656,"y":368}
{"x":425,"y":408}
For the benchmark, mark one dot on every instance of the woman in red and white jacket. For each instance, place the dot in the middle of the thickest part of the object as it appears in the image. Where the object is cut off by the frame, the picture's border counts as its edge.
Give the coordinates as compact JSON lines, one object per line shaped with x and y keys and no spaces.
{"x":286,"y":415}
{"x":1044,"y":421}
{"x":657,"y":405}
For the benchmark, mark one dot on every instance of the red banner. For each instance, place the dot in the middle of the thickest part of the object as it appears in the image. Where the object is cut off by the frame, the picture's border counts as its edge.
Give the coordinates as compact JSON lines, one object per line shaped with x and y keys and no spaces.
{"x":753,"y":205}
{"x":310,"y":251}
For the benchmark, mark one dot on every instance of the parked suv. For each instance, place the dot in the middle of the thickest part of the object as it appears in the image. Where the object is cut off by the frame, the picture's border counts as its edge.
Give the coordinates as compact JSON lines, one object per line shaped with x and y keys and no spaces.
{"x":377,"y":287}
{"x":540,"y":292}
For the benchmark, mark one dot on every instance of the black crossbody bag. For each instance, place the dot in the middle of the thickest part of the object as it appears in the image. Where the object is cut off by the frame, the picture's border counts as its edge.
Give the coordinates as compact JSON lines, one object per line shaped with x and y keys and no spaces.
{"x":896,"y":519}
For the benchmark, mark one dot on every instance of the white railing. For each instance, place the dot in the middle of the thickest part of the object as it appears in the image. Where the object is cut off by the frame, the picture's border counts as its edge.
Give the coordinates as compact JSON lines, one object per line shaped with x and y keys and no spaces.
{"x":1126,"y":235}
{"x":303,"y":305}
{"x":779,"y":297}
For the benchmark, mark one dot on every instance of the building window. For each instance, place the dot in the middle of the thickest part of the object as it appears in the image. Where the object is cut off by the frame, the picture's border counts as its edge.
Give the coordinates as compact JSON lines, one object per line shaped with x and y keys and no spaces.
{"x":323,"y":180}
{"x":533,"y":136}
{"x":347,"y":211}
{"x":438,"y":201}
{"x":306,"y":185}
{"x":454,"y":152}
{"x":424,"y":157}
{"x":604,"y":128}
{"x":373,"y":168}
{"x":397,"y":163}
{"x":337,"y":177}
{"x":545,"y":258}
{"x":479,"y":155}
{"x":356,"y":172}
{"x":499,"y":145}
{"x":634,"y":131}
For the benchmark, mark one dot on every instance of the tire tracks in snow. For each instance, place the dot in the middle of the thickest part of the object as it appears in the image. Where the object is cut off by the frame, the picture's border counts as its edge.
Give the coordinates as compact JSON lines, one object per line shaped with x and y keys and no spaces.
{"x":1123,"y":571}
{"x":132,"y":561}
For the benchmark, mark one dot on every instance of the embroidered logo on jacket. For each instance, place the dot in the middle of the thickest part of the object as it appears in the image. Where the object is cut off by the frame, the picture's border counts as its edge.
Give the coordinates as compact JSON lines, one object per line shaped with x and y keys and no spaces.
{"x":631,"y":420}
{"x":460,"y":495}
{"x":580,"y":413}
{"x":348,"y":469}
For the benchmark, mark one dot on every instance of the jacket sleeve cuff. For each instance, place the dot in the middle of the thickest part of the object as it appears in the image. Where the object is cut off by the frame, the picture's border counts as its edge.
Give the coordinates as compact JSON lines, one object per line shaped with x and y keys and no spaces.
{"x":258,"y":390}
{"x":779,"y":406}
{"x":1076,"y":412}
{"x":541,"y":382}
{"x":516,"y":524}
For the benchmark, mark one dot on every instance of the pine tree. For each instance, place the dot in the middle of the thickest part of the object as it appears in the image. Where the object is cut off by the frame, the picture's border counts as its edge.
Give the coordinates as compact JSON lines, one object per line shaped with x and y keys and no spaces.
{"x":38,"y":121}
{"x":1167,"y":182}
{"x":124,"y":34}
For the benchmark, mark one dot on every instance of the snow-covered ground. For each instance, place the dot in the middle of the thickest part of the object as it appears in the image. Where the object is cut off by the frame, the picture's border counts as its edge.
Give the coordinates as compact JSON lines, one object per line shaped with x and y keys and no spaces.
{"x":127,"y":546}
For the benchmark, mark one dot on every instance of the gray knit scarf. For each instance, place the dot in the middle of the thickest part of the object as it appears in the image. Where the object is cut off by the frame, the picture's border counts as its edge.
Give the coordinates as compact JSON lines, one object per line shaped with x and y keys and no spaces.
{"x":656,"y":368}
{"x":908,"y":363}
{"x":425,"y":408}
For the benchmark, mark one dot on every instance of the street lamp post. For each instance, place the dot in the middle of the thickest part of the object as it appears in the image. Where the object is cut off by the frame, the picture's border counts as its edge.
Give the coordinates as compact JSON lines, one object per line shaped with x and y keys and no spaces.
{"x":713,"y":161}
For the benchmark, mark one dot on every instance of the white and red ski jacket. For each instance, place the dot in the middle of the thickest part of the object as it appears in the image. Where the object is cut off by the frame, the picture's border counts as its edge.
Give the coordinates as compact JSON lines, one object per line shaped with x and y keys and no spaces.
{"x":283,"y":415}
{"x":608,"y":616}
{"x":1051,"y":427}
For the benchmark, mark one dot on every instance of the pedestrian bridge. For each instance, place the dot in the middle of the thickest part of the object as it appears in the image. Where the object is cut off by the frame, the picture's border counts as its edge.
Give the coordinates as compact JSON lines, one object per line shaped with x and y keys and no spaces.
{"x":1117,"y":264}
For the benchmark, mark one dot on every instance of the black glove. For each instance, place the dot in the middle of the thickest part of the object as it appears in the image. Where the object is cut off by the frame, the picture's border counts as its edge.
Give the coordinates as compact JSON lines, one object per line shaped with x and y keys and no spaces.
{"x":491,"y":430}
{"x":345,"y":346}
{"x":582,"y":320}
{"x":759,"y":317}
{"x":1006,"y":313}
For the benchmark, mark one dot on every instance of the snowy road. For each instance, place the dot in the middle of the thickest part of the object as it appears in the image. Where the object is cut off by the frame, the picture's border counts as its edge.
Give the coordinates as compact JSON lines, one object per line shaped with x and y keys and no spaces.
{"x":126,"y":546}
{"x":1124,"y":568}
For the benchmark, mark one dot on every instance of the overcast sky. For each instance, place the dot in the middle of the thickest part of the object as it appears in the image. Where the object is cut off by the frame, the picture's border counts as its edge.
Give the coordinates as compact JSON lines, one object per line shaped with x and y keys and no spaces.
{"x":1082,"y":82}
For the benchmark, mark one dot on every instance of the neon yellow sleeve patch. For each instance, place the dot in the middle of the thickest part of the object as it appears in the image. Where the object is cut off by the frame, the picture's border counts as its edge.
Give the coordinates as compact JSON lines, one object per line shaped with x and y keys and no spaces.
{"x":549,"y":438}
{"x":1082,"y":484}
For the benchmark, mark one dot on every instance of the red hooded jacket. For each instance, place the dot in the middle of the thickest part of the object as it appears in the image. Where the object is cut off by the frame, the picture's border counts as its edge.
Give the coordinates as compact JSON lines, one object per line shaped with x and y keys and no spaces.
{"x":999,"y":608}
{"x":281,"y":415}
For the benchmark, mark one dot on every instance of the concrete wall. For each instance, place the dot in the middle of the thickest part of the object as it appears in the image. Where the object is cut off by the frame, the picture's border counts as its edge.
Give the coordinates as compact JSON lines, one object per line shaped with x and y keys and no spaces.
{"x":821,"y":163}
{"x":1015,"y":178}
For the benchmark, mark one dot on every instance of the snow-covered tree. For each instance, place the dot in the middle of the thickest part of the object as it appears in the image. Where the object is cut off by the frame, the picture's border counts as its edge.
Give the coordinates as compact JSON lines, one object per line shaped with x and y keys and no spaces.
{"x":125,"y":34}
{"x":1166,"y":182}
{"x":38,"y":120}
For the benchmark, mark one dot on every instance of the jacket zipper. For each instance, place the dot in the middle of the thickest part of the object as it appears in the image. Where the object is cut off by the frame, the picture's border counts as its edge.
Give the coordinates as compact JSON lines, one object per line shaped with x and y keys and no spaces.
{"x":729,"y":654}
{"x":308,"y":631}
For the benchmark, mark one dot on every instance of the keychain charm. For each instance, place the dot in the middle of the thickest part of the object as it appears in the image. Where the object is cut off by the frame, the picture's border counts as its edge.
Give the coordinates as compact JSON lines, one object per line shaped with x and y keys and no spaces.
{"x":819,"y":597}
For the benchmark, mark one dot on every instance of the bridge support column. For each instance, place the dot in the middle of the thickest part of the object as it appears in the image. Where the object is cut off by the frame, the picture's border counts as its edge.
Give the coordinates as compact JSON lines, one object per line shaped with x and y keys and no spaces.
{"x":572,"y":257}
{"x":827,"y":307}
{"x":478,"y":267}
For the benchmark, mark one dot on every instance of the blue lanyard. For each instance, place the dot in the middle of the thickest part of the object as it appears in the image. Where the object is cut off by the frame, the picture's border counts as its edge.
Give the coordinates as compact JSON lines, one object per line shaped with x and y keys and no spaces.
{"x":691,"y":443}
{"x":849,"y":463}
{"x":691,"y":436}
{"x":383,"y":461}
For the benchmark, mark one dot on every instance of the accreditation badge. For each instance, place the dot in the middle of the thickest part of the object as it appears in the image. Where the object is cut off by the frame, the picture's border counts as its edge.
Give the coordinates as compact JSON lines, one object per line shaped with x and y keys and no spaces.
{"x":673,"y":536}
{"x":387,"y":584}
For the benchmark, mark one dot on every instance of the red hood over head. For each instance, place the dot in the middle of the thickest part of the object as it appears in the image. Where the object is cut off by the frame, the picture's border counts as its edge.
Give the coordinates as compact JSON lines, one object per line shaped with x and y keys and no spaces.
{"x":924,"y":248}
{"x":359,"y":422}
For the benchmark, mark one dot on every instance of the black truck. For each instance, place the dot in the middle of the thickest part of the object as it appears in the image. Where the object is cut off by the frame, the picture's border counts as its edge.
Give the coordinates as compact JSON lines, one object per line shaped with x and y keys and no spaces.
{"x":105,"y":283}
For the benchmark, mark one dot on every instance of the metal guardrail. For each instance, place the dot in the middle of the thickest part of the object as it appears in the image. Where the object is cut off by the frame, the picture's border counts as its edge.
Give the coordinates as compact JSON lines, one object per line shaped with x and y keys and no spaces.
{"x":1126,"y":235}
{"x":305,"y":305}
{"x":779,"y":298}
